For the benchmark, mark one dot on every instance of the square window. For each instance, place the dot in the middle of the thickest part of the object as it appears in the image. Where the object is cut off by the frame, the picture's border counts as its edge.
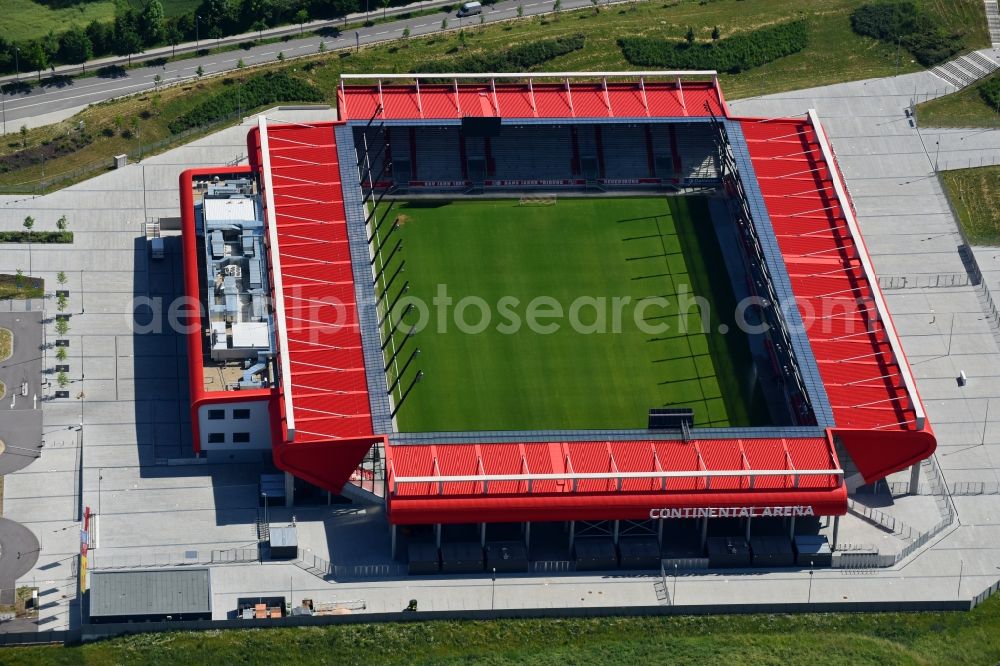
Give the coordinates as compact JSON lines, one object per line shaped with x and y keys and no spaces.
{"x":216,"y":414}
{"x":216,"y":438}
{"x":241,"y":413}
{"x":241,"y":437}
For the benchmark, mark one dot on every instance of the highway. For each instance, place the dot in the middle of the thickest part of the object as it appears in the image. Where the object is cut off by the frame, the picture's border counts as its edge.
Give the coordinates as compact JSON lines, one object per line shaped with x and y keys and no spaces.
{"x":45,"y":104}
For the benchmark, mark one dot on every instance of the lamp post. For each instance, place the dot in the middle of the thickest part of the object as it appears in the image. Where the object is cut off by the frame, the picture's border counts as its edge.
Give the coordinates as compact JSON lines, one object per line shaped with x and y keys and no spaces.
{"x":17,"y":65}
{"x":809,"y":598}
{"x":674,"y":595}
{"x":493,"y":595}
{"x":197,"y":39}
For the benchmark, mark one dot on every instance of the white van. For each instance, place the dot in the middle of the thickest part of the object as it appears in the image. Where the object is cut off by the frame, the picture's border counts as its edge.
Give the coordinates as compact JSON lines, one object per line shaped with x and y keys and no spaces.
{"x":470,"y":9}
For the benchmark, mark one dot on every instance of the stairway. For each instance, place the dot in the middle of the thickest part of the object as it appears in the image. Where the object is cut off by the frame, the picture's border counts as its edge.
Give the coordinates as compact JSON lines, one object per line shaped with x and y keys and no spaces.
{"x":993,"y":19}
{"x":965,"y":71}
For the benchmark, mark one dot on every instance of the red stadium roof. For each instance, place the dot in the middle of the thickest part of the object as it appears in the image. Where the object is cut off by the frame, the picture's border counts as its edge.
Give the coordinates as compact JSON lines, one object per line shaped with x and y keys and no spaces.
{"x":324,"y":401}
{"x":592,"y":97}
{"x":607,"y":480}
{"x":876,"y":407}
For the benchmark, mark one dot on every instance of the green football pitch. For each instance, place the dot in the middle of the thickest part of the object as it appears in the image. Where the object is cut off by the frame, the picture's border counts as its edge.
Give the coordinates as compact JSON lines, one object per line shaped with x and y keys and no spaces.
{"x":566,"y":316}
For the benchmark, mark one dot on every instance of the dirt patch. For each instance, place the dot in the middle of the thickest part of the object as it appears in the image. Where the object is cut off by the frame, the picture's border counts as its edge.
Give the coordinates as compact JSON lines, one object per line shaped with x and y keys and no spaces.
{"x":401,"y":219}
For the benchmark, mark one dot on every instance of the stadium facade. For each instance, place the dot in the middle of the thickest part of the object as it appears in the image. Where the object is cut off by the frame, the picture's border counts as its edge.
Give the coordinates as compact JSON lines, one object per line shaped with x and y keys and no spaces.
{"x":289,"y":354}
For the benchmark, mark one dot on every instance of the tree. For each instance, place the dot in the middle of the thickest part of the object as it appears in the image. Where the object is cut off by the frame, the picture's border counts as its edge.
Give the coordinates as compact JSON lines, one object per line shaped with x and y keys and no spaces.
{"x":461,"y":40}
{"x":200,"y":71}
{"x":444,"y":24}
{"x":557,"y":6}
{"x":385,"y":6}
{"x":29,"y":224}
{"x":281,"y":56}
{"x":62,"y":378}
{"x":61,"y":278}
{"x":61,"y":354}
{"x":240,"y":64}
{"x":62,"y":326}
{"x":406,"y":36}
{"x":172,"y":33}
{"x":157,"y":80}
{"x":716,"y":33}
{"x":126,"y":36}
{"x":597,"y":6}
{"x":150,"y":23}
{"x":100,"y":35}
{"x":322,"y":47}
{"x":62,"y":223}
{"x":301,"y":17}
{"x":19,"y":279}
{"x":690,"y":35}
{"x":75,"y":47}
{"x":259,"y":27}
{"x":24,"y":136}
{"x":61,"y":303}
{"x":520,"y":11}
{"x":36,"y":56}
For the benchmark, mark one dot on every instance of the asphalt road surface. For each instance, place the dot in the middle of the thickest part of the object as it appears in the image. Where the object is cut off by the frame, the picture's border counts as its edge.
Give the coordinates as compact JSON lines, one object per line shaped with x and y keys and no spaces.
{"x":69,"y":93}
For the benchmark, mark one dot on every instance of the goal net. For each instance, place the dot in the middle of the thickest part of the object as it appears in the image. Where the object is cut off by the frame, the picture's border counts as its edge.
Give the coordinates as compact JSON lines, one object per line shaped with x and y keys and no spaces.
{"x":538,"y":200}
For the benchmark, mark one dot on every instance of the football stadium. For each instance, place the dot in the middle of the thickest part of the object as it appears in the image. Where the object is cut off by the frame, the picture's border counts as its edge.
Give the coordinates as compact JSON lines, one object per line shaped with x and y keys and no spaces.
{"x":594,"y":302}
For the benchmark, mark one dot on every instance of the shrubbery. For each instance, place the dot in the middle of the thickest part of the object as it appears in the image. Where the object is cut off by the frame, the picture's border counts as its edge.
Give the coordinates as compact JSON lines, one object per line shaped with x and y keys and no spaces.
{"x":36,"y":236}
{"x":733,"y":54}
{"x":515,"y":59}
{"x":990,"y":92}
{"x":905,"y":24}
{"x":252,"y":93}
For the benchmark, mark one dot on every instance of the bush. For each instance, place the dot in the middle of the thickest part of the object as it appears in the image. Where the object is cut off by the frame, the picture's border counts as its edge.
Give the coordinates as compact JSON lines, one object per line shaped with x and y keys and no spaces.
{"x":255,"y":92}
{"x":886,"y":20}
{"x":733,"y":54}
{"x":518,"y":58}
{"x":990,"y":92}
{"x":903,"y":22}
{"x":36,"y":237}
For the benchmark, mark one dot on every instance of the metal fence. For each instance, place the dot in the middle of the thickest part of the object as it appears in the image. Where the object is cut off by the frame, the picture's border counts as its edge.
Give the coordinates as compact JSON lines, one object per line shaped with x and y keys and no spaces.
{"x":968,"y":163}
{"x":965,"y":488}
{"x":882,"y":519}
{"x":98,"y":560}
{"x":984,"y":595}
{"x":941,"y":280}
{"x":553,"y":566}
{"x":322,"y":568}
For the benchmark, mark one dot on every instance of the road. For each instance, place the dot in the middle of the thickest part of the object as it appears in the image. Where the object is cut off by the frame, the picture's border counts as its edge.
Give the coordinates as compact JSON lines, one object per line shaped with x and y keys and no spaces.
{"x":46,"y":104}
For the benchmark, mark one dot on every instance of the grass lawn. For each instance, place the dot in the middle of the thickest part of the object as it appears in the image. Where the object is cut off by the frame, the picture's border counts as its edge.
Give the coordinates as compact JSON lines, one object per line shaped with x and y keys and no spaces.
{"x":29,"y":19}
{"x":29,"y":287}
{"x":759,"y":640}
{"x":580,"y":367}
{"x":965,"y":108}
{"x":975,"y":194}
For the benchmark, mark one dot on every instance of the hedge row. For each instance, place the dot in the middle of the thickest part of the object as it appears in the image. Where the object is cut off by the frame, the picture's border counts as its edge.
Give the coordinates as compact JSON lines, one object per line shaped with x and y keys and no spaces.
{"x":733,"y":54}
{"x":518,"y":58}
{"x":905,"y":24}
{"x":255,"y":92}
{"x":990,"y":92}
{"x":36,"y":236}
